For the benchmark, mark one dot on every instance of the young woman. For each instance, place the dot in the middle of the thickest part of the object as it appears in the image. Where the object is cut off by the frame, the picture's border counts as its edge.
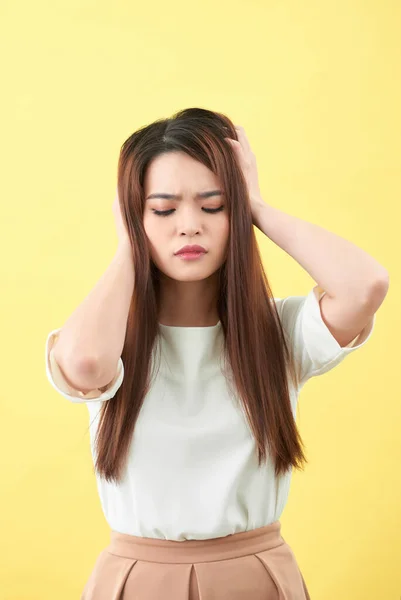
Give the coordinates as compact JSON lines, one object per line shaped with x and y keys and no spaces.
{"x":191,"y":369}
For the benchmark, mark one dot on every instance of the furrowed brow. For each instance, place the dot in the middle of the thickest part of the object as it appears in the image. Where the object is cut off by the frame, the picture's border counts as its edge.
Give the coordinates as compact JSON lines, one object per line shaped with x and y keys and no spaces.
{"x":179,"y":197}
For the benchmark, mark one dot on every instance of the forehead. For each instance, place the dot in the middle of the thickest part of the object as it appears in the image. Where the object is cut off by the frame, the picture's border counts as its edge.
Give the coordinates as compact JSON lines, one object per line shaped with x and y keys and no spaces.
{"x":177,"y":172}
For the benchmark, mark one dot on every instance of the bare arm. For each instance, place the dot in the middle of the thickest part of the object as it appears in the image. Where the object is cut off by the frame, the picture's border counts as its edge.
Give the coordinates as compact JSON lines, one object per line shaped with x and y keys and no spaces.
{"x":92,"y":339}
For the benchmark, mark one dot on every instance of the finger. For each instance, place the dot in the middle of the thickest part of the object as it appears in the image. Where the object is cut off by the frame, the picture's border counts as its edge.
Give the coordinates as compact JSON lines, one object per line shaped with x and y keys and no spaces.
{"x":243,"y":138}
{"x":234,"y":143}
{"x":238,"y":149}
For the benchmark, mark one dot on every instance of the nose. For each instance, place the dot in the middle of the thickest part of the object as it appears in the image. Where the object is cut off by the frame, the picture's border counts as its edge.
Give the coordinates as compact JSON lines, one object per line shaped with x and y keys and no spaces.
{"x":189,"y":223}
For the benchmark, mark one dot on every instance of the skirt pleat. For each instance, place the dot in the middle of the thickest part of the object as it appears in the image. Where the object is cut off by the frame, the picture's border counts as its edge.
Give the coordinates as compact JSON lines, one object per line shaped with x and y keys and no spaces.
{"x":250,"y":565}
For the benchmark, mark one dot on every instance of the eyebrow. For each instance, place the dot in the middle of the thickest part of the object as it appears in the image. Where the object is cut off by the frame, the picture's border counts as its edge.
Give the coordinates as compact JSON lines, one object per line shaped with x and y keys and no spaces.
{"x":179,"y":196}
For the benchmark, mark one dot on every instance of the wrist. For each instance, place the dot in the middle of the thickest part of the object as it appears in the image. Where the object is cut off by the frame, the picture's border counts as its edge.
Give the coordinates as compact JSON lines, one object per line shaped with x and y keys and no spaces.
{"x":124,"y":244}
{"x":124,"y":248}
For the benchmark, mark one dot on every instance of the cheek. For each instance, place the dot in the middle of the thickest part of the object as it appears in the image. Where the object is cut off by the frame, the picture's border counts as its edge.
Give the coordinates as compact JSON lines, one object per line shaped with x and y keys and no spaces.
{"x":155,"y":237}
{"x":224,"y":230}
{"x":151,"y":229}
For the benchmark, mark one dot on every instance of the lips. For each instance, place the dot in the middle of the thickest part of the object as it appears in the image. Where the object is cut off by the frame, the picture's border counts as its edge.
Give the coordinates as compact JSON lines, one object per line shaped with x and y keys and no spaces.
{"x":191,"y":249}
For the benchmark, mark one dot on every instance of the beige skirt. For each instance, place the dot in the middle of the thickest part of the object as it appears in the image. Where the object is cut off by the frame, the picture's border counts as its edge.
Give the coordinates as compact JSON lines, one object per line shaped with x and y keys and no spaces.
{"x":251,"y":565}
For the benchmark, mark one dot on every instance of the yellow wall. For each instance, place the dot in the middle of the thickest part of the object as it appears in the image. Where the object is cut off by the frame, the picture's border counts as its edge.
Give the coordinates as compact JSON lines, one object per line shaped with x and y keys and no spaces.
{"x":317,"y":87}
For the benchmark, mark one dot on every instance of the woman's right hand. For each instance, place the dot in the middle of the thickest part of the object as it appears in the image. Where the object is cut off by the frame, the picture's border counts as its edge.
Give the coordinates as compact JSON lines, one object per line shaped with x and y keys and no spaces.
{"x":122,"y":232}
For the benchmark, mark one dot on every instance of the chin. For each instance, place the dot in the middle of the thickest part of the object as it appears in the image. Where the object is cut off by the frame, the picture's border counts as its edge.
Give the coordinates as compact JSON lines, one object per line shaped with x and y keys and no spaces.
{"x":195,"y":275}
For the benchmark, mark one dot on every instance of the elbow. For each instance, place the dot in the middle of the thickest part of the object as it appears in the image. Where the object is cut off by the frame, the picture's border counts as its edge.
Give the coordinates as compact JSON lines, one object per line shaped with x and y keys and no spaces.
{"x":95,"y":374}
{"x":382,"y":283}
{"x":84,"y":373}
{"x":81,"y":375}
{"x":378,"y":290}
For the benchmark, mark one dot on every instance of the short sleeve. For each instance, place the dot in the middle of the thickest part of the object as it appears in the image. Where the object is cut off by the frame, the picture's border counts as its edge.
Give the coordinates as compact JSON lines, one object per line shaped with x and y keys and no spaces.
{"x":316,"y":350}
{"x":58,"y":381}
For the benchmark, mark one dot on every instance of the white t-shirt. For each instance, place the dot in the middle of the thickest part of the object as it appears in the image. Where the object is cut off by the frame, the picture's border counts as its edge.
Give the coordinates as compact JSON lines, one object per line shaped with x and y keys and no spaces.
{"x":192,"y":471}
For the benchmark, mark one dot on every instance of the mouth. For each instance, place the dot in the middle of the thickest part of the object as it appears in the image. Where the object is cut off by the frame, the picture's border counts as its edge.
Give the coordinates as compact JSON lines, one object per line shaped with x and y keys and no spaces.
{"x":191,"y":248}
{"x":190,"y":255}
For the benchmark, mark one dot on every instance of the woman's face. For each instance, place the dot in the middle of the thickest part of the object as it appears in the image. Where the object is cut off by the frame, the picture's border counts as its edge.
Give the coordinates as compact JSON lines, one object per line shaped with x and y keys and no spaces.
{"x":187,"y":220}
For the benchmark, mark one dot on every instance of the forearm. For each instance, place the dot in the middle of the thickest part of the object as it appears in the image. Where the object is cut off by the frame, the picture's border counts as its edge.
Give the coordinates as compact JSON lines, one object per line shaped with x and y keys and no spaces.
{"x":94,"y":334}
{"x":337,"y":265}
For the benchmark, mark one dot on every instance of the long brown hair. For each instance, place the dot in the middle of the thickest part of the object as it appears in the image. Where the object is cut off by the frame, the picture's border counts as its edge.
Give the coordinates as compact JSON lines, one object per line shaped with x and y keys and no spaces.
{"x":255,"y":346}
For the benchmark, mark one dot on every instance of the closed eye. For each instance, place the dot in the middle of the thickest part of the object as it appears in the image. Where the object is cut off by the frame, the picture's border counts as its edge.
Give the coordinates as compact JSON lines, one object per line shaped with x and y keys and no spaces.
{"x":166,"y":213}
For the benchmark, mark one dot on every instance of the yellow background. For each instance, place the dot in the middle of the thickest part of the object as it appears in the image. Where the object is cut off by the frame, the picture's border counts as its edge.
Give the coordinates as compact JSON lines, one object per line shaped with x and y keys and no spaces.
{"x":316,"y":86}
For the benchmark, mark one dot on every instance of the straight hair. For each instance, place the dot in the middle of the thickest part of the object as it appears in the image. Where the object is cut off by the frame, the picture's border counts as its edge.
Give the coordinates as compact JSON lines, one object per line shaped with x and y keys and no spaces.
{"x":259,"y":360}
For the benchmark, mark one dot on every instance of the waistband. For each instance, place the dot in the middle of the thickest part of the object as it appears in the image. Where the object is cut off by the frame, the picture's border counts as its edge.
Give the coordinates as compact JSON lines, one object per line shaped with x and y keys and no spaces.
{"x":192,"y":551}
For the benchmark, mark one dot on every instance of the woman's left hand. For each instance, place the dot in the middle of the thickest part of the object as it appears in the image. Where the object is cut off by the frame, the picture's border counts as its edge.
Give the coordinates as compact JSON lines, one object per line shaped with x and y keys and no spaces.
{"x":247,"y":161}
